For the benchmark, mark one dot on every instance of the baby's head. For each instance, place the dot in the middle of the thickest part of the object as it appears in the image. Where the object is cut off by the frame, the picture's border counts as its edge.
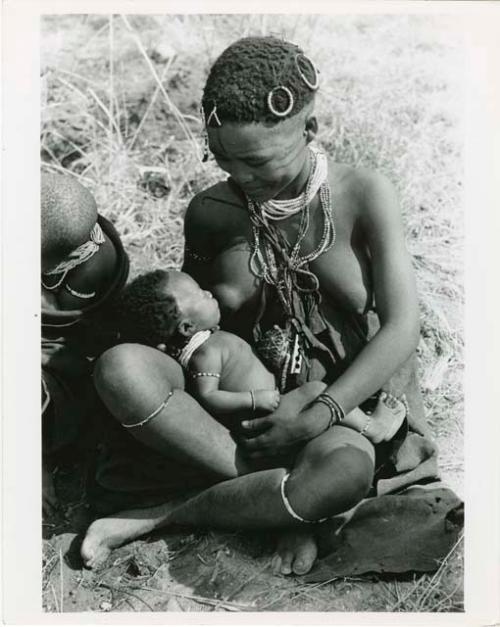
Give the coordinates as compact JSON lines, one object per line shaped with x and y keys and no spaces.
{"x":165,"y":307}
{"x":68,"y":215}
{"x":258,"y":106}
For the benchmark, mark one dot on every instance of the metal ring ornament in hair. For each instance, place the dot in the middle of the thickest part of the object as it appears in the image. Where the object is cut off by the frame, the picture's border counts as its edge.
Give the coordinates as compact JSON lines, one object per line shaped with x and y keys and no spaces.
{"x":272,"y":108}
{"x":213,"y":115}
{"x":312,"y":86}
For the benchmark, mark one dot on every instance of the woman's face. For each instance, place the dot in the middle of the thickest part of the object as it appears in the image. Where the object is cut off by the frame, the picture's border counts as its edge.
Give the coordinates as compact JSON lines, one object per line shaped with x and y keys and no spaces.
{"x":265,"y":161}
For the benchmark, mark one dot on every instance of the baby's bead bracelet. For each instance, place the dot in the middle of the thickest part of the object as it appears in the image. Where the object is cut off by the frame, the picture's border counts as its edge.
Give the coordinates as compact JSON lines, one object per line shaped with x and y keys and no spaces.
{"x":252,"y":396}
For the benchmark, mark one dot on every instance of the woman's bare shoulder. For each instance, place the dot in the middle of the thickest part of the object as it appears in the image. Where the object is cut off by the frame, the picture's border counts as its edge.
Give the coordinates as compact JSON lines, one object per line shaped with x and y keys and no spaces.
{"x":214,"y":203}
{"x":348,"y":178}
{"x":359,"y":185}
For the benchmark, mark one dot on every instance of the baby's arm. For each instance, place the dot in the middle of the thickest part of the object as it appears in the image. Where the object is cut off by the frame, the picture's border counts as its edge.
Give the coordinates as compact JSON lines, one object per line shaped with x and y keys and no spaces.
{"x":206,"y":371}
{"x":217,"y":401}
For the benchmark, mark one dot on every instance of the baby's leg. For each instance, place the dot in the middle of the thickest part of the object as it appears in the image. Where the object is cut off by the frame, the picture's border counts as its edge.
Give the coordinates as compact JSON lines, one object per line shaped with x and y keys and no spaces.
{"x":384,"y":421}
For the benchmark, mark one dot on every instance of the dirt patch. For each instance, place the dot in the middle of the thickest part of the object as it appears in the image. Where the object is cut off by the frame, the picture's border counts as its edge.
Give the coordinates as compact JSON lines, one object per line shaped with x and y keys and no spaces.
{"x":210,"y":571}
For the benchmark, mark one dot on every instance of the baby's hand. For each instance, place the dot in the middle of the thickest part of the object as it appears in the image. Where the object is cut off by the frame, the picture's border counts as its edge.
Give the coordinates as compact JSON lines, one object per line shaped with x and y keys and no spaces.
{"x":266,"y":400}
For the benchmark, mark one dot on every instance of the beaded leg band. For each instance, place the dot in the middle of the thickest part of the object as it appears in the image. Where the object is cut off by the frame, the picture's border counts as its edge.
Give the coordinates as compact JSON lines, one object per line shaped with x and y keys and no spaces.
{"x":151,"y":416}
{"x":290,"y":509}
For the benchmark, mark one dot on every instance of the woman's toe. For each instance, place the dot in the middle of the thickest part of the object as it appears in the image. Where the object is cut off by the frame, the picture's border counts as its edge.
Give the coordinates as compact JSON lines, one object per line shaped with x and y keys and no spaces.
{"x":286,"y":563}
{"x":305,"y":558}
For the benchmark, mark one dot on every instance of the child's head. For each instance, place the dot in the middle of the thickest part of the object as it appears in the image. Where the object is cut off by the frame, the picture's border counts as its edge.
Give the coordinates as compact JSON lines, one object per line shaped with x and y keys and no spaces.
{"x":163,"y":307}
{"x":68,"y":215}
{"x":258,"y":105}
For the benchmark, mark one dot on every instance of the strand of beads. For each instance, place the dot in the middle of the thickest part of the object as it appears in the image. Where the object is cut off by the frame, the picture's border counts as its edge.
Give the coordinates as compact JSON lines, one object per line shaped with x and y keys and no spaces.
{"x":195,"y":341}
{"x":275,"y":209}
{"x":269,"y":242}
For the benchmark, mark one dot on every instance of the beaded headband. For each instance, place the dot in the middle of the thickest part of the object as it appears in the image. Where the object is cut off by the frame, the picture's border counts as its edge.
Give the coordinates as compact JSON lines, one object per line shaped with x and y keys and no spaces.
{"x":82,"y":253}
{"x":77,"y":257}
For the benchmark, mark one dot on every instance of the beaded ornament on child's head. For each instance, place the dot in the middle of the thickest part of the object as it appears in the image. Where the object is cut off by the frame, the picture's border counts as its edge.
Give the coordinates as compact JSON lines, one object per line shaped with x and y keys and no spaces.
{"x":258,"y":79}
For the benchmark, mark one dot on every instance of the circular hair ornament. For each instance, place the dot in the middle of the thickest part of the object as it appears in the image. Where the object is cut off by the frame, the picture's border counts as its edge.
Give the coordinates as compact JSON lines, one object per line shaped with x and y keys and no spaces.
{"x":272,"y":108}
{"x":313,"y":86}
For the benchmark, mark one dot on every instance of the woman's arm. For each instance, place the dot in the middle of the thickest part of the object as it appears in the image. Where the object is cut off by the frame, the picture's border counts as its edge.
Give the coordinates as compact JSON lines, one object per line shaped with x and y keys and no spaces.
{"x":397,"y":307}
{"x":395,"y":297}
{"x":198,"y":256}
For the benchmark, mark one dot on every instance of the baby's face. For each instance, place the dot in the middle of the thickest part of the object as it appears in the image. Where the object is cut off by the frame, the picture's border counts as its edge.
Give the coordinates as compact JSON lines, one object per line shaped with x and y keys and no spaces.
{"x":263,"y":160}
{"x":198,"y":305}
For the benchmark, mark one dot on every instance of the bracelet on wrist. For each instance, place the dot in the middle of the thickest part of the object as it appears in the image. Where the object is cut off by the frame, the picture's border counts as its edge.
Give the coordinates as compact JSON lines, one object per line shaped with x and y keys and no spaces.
{"x":337,"y":414}
{"x":252,"y":396}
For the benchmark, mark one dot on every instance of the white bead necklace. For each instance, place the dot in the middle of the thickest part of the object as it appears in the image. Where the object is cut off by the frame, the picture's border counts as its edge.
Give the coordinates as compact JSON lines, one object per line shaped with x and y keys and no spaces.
{"x":282,"y":209}
{"x":195,"y":341}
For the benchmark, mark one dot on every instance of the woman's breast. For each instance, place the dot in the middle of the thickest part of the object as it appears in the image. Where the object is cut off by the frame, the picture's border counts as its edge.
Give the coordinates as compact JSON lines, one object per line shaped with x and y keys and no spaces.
{"x":345,"y":278}
{"x":343,"y":273}
{"x":236,"y":288}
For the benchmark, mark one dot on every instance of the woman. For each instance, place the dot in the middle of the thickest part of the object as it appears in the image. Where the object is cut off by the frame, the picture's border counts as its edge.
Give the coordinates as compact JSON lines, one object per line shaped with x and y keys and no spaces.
{"x":300,"y":252}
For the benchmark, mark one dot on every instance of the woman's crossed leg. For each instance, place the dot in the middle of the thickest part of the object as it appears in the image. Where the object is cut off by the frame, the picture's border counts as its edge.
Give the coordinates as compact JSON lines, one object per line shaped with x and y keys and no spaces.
{"x":331,"y":474}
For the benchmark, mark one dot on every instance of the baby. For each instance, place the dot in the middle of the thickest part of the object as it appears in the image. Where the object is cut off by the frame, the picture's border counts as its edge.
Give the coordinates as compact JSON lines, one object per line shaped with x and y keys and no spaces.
{"x":169,"y":310}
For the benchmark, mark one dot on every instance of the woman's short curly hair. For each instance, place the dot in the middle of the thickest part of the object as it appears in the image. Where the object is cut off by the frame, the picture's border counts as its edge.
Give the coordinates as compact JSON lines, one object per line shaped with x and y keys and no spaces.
{"x":146,"y":312}
{"x":243,"y":75}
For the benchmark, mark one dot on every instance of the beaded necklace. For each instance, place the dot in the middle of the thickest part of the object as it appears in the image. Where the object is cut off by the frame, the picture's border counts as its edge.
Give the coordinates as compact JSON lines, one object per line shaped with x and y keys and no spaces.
{"x":281,"y":265}
{"x":282,"y":209}
{"x":195,"y":341}
{"x":273,"y":259}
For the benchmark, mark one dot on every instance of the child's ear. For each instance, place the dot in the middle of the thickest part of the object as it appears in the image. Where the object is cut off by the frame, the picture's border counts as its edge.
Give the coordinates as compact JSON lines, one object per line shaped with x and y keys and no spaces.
{"x":311,"y":128}
{"x":186,"y":328}
{"x":162,"y":348}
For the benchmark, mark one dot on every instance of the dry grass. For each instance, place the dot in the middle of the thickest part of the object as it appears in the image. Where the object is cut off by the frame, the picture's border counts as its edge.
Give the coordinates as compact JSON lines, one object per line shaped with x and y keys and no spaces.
{"x":120,"y":104}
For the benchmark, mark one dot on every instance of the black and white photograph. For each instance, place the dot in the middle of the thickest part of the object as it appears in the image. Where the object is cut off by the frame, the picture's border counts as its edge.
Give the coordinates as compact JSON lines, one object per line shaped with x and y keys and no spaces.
{"x":252,"y":316}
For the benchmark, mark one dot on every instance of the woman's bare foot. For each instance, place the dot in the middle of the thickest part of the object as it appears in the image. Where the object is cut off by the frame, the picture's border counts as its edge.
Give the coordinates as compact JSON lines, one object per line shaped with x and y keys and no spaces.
{"x":106,"y":534}
{"x":386,"y":419}
{"x":296,"y":552}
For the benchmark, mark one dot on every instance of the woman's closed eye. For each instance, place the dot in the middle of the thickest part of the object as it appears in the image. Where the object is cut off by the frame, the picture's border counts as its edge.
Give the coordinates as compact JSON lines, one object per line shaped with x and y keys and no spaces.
{"x":254,"y":163}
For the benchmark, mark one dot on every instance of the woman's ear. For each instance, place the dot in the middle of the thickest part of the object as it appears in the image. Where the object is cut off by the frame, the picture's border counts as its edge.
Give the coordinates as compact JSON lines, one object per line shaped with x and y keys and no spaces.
{"x":311,"y":128}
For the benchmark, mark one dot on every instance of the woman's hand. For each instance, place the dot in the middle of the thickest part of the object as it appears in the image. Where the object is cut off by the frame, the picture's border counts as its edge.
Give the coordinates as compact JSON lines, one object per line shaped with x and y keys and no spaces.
{"x":294,"y":422}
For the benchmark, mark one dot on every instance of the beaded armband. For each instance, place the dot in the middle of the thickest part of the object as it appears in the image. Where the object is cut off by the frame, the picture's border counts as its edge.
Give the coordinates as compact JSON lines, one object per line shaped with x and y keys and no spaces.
{"x":191,"y":254}
{"x":197,"y":375}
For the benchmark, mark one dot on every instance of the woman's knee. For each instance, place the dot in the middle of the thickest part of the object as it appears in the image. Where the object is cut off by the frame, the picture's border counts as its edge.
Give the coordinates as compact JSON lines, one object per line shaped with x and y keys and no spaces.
{"x":126,"y":368}
{"x":354,"y":475}
{"x":330,"y":480}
